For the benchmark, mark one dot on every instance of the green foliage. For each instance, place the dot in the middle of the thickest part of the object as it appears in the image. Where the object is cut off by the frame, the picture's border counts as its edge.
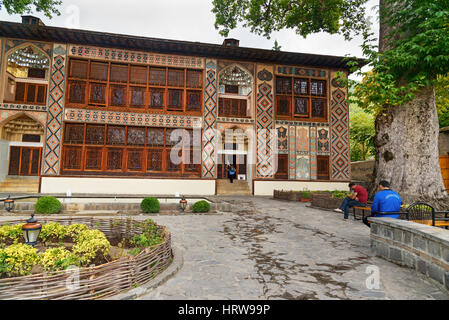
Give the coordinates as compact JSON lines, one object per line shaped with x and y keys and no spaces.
{"x":48,"y":205}
{"x":415,"y":55}
{"x":18,"y":260}
{"x":58,"y":259}
{"x":75,"y":229}
{"x":11,"y":233}
{"x":89,"y":244}
{"x":150,"y":205}
{"x":151,"y":235}
{"x":48,"y":7}
{"x":305,"y":194}
{"x":442,"y":97}
{"x":362,"y":132}
{"x":305,"y":17}
{"x":201,"y":206}
{"x":339,"y":194}
{"x":53,"y":232}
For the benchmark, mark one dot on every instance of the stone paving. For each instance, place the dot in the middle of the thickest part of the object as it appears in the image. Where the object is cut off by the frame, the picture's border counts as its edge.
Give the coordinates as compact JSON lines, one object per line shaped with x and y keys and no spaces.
{"x":271,"y":249}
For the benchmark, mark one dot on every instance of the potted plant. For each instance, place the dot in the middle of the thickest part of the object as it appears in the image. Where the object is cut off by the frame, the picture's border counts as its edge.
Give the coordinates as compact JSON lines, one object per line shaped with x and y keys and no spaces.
{"x":305,"y":196}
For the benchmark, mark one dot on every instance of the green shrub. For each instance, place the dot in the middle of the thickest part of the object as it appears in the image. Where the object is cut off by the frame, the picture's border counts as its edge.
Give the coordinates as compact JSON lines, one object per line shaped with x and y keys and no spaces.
{"x":201,"y":206}
{"x":305,"y":194}
{"x":150,"y":205}
{"x":17,"y":260}
{"x":48,"y":205}
{"x":339,"y":194}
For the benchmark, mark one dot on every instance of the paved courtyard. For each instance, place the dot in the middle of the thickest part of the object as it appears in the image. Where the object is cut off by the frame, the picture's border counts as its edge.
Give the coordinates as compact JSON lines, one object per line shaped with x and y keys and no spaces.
{"x":272,"y":249}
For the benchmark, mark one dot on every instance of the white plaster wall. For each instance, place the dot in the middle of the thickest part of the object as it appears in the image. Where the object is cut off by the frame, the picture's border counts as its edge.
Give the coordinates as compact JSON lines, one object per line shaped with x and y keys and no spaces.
{"x":4,"y":159}
{"x":127,"y":186}
{"x":266,"y":188}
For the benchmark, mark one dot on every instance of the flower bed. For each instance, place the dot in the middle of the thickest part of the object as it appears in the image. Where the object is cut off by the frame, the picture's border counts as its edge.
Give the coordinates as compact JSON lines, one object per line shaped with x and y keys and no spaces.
{"x":147,"y":256}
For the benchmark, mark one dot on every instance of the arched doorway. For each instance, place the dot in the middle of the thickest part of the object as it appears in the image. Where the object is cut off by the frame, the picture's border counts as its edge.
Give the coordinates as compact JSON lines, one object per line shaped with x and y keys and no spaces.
{"x":21,"y":139}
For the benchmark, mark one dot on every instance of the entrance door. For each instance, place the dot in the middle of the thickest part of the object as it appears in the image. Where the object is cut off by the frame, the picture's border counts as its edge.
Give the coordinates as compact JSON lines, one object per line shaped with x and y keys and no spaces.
{"x":24,"y":161}
{"x":236,"y":160}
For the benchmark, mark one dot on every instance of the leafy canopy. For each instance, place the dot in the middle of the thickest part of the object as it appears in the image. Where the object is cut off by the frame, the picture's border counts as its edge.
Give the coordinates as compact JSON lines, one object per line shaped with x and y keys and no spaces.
{"x":416,"y":55}
{"x":48,"y":7}
{"x":305,"y":16}
{"x":442,"y":96}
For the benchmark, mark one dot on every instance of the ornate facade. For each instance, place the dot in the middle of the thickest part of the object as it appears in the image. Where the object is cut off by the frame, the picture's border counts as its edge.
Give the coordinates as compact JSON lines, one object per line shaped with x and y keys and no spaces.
{"x":115,"y":112}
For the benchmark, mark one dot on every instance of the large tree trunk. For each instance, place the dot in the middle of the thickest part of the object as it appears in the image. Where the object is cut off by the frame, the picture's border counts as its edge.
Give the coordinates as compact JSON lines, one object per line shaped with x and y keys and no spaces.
{"x":407,"y":142}
{"x":407,"y":149}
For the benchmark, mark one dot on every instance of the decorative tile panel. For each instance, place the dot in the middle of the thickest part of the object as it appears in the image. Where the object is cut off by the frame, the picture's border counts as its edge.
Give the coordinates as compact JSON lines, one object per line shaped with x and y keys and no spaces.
{"x":265,"y":123}
{"x":323,"y":143}
{"x":52,"y":150}
{"x":282,"y":139}
{"x":292,"y":153}
{"x":302,"y":167}
{"x":299,"y":71}
{"x":313,"y":154}
{"x":22,"y":107}
{"x":339,"y":134}
{"x":136,"y":57}
{"x":210,"y":111}
{"x":302,"y":140}
{"x":132,"y":119}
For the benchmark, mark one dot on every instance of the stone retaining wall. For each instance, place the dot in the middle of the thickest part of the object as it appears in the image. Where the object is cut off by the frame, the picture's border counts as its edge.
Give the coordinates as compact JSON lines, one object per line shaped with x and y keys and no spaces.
{"x":416,"y":246}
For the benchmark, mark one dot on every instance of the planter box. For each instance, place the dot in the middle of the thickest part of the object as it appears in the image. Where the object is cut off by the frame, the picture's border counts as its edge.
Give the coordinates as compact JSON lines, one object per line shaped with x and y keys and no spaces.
{"x":287,"y":195}
{"x":325,"y":200}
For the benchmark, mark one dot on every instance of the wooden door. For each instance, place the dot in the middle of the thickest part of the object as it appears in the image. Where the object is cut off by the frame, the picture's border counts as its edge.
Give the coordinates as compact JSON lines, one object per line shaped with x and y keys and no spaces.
{"x":238,"y":161}
{"x":444,"y":163}
{"x":24,"y":161}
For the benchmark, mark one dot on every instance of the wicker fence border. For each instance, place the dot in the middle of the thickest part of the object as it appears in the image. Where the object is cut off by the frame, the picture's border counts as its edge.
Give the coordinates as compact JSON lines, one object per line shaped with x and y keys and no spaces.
{"x":96,"y":282}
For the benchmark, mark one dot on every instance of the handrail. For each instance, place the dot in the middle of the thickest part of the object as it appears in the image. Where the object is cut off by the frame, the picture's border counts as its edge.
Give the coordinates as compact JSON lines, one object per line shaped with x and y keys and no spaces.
{"x":105,"y":196}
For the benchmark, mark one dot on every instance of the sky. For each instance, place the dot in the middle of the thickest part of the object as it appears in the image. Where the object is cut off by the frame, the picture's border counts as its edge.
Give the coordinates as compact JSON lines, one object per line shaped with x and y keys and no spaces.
{"x":189,"y":20}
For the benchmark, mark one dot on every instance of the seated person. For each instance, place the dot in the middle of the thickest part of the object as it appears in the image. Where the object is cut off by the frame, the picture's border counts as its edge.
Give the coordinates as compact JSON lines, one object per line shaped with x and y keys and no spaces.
{"x":386,"y":200}
{"x":358,"y":198}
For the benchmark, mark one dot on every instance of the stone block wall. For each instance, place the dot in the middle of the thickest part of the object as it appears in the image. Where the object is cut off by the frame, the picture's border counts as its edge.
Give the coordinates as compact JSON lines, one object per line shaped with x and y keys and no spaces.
{"x":416,"y":246}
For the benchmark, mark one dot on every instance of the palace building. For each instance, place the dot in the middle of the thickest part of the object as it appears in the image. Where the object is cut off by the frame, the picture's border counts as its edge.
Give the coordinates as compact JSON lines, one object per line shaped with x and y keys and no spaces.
{"x":93,"y":112}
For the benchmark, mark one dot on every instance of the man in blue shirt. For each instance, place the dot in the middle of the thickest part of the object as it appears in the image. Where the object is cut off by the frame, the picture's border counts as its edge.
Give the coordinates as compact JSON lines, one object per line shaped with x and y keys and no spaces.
{"x":386,"y":200}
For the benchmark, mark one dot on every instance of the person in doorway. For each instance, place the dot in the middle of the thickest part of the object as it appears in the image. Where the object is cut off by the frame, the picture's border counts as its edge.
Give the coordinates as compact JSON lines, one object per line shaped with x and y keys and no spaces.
{"x":358,"y":198}
{"x":231,"y":174}
{"x":385,"y":201}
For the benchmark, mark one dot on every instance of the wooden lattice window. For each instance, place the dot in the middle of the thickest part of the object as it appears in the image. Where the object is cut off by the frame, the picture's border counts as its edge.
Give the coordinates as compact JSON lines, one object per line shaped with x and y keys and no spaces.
{"x":93,"y":158}
{"x":114,"y":159}
{"x":301,"y":98}
{"x":155,"y":137}
{"x":232,"y":107}
{"x":78,"y":69}
{"x":20,"y":92}
{"x":72,"y":158}
{"x":116,"y":135}
{"x":171,"y":160}
{"x":158,"y":77}
{"x":99,"y":71}
{"x":119,"y":73}
{"x":137,"y":97}
{"x":77,"y":92}
{"x":118,"y":96}
{"x":30,"y":93}
{"x":154,"y":160}
{"x":175,"y":78}
{"x":31,"y":138}
{"x":74,"y":134}
{"x":193,"y":100}
{"x":135,"y":160}
{"x":194,"y":79}
{"x":157,"y":98}
{"x":175,"y":99}
{"x":136,"y":136}
{"x":95,"y":134}
{"x":97,"y":93}
{"x":138,"y":75}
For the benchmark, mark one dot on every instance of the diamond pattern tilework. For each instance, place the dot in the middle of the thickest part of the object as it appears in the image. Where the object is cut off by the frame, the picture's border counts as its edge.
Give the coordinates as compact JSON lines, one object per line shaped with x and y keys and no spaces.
{"x":339,"y":136}
{"x":209,"y":168}
{"x":265,"y":126}
{"x":52,"y":149}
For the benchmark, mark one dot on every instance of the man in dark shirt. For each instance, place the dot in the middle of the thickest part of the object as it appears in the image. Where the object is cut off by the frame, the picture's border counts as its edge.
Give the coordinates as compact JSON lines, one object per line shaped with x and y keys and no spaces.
{"x":358,"y":198}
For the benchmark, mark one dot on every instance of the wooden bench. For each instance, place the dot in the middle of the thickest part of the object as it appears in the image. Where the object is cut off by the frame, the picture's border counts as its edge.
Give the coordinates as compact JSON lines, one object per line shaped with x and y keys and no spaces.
{"x":363,"y":209}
